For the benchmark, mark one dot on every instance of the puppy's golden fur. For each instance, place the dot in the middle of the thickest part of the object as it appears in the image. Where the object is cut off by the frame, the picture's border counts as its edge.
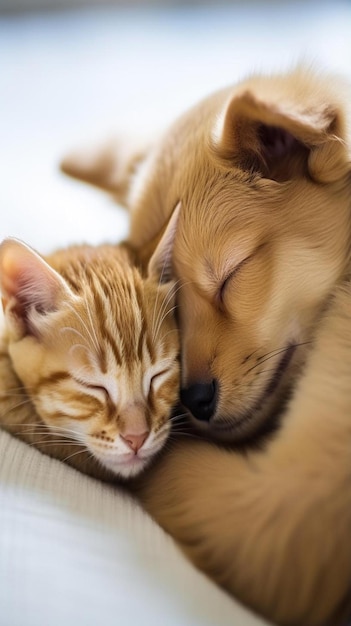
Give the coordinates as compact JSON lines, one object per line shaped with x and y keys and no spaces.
{"x":262,"y":253}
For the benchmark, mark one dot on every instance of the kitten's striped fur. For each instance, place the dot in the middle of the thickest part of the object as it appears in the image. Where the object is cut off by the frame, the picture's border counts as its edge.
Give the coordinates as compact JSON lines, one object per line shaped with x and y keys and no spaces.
{"x":89,"y":355}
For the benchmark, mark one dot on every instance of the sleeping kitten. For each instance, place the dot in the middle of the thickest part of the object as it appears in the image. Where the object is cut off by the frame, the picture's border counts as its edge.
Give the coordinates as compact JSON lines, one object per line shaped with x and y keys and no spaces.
{"x":88,"y":355}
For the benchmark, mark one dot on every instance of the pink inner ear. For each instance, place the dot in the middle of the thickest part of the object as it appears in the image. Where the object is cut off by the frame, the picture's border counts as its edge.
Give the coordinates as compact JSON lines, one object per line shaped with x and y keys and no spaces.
{"x":27,"y":281}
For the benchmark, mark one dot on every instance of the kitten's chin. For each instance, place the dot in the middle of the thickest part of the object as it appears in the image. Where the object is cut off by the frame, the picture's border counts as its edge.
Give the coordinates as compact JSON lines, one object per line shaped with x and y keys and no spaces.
{"x":126,"y":468}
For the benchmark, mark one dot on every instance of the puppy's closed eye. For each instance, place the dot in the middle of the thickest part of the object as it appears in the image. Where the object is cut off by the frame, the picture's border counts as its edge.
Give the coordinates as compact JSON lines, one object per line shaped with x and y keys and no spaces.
{"x":231,"y":274}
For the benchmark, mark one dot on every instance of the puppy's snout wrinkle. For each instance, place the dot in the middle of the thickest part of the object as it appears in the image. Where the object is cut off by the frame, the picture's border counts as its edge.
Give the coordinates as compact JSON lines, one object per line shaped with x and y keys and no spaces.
{"x":201,"y":399}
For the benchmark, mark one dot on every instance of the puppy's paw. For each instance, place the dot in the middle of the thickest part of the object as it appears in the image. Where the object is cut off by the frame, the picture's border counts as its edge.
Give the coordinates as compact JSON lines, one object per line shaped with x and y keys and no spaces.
{"x":108,"y":165}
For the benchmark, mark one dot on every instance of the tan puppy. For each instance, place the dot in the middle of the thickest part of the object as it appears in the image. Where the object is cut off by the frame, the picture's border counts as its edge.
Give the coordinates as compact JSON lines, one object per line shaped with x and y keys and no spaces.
{"x":262,"y":172}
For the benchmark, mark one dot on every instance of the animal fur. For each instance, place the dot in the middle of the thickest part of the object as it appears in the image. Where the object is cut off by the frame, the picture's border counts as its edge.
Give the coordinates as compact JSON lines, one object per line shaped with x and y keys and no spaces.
{"x":88,"y":355}
{"x":262,"y":255}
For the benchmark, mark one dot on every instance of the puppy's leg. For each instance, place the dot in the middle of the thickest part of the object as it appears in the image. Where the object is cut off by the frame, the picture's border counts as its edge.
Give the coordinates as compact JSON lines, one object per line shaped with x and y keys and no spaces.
{"x":109,"y":165}
{"x":273,"y":527}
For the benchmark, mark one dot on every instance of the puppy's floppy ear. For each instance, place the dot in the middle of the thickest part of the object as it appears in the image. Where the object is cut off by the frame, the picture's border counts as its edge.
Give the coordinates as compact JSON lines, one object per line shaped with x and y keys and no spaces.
{"x":109,"y":165}
{"x":287,"y":128}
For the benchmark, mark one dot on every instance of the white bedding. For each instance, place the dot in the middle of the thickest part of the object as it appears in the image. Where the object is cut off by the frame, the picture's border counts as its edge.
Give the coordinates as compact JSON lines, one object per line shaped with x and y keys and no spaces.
{"x":76,"y":552}
{"x":73,"y":551}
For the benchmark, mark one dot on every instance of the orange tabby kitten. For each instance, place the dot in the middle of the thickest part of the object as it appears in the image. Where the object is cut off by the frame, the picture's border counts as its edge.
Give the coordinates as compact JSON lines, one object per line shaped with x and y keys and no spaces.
{"x":88,"y":355}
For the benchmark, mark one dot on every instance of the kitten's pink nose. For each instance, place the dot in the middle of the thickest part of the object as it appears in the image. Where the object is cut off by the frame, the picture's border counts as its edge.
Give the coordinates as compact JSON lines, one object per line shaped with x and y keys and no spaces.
{"x":135,"y":441}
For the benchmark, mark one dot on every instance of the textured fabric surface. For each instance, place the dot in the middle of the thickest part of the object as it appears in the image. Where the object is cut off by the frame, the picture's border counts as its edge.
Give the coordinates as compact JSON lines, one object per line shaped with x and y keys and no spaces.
{"x":74,"y":551}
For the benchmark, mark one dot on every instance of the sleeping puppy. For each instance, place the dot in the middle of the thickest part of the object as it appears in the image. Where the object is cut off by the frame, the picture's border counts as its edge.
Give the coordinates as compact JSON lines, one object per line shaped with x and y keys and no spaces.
{"x":261,"y":172}
{"x":262,"y":175}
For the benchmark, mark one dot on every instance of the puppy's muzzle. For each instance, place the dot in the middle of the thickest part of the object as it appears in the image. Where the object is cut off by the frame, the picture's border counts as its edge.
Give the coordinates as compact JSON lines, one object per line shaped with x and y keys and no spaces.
{"x":201,"y":399}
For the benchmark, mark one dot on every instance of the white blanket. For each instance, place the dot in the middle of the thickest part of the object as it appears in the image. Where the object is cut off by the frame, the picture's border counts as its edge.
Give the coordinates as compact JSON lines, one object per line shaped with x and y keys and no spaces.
{"x":75,"y":552}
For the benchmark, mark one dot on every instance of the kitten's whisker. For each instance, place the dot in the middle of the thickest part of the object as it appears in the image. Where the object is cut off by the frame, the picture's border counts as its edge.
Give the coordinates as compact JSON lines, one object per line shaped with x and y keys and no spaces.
{"x":168,"y":446}
{"x":73,"y":330}
{"x":180,"y":419}
{"x":12,"y":396}
{"x":16,"y":406}
{"x":180,"y":433}
{"x":172,"y":291}
{"x":161,"y":433}
{"x":31,"y":430}
{"x":20,"y":388}
{"x":169,"y":332}
{"x":92,"y":338}
{"x":70,"y":436}
{"x":31,"y":425}
{"x":16,"y":392}
{"x":79,"y":345}
{"x":183,"y":423}
{"x":155,"y":323}
{"x":179,"y":416}
{"x":64,"y":429}
{"x":158,"y":295}
{"x":161,"y":316}
{"x":70,"y":456}
{"x":56,"y":442}
{"x":50,"y":429}
{"x":92,"y":327}
{"x":163,"y":319}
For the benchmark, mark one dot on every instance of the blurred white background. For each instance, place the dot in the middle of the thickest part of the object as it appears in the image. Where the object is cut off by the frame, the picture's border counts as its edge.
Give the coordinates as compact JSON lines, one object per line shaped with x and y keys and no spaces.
{"x":74,"y":73}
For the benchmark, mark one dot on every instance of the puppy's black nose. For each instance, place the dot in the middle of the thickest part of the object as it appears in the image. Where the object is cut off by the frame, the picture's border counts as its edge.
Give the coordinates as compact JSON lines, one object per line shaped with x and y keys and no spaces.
{"x":201,"y":399}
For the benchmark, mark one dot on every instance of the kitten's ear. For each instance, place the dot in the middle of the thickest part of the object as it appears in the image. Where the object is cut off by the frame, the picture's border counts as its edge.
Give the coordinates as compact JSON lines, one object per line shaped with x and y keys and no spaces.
{"x":109,"y":165}
{"x":30,"y":288}
{"x":160,"y":264}
{"x":285,"y":128}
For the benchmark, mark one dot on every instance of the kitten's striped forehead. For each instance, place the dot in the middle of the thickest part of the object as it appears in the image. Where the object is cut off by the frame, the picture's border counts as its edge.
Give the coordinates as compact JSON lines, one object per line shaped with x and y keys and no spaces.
{"x":121,"y":316}
{"x":103,"y":369}
{"x":115,"y":333}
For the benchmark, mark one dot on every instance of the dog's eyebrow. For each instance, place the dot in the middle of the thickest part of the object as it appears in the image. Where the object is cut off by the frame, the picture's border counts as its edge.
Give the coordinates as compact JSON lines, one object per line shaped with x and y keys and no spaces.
{"x":211,"y":275}
{"x":214,"y":277}
{"x":205,"y":277}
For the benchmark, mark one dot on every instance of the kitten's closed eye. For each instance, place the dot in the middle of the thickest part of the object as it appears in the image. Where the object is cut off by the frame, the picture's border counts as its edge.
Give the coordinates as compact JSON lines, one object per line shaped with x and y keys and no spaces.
{"x":100,"y":362}
{"x":157,"y":379}
{"x":92,"y":386}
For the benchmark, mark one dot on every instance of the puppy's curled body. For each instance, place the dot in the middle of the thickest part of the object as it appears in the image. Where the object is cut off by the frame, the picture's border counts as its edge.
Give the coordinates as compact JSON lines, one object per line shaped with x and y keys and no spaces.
{"x":262,"y":256}
{"x":273,"y":527}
